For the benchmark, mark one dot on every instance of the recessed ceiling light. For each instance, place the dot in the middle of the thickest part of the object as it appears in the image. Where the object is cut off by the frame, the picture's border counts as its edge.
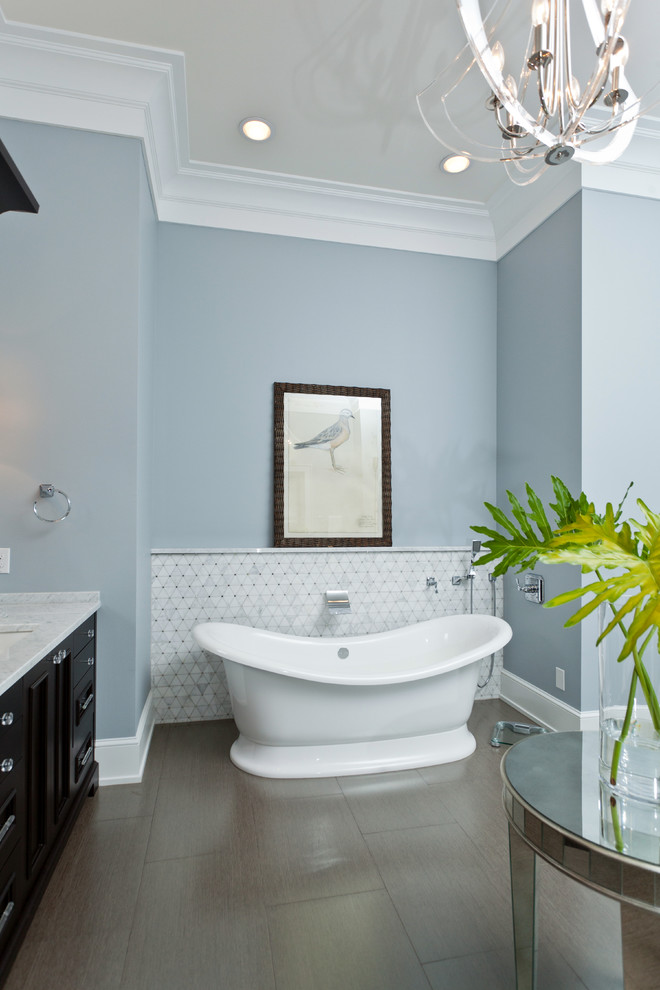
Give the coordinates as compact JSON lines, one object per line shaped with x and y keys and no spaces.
{"x":256,"y":128}
{"x":455,"y":163}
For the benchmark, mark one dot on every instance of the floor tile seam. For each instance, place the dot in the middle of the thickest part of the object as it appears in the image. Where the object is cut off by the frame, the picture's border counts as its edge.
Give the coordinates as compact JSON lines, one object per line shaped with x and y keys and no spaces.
{"x":187,"y":774}
{"x":260,"y":858}
{"x":317,"y":796}
{"x":502,"y":947}
{"x":384,"y":775}
{"x":491,"y":884}
{"x":222,"y":856}
{"x":120,"y":818}
{"x":363,"y":836}
{"x":178,"y":859}
{"x":122,"y":978}
{"x":418,"y":828}
{"x":405,"y":931}
{"x":408,"y":828}
{"x":270,"y":950}
{"x":270,"y":905}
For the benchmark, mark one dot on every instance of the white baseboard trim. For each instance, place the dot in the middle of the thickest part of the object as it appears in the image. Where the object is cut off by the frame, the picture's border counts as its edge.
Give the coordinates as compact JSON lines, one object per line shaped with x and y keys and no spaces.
{"x":543,"y":707}
{"x":121,"y":761}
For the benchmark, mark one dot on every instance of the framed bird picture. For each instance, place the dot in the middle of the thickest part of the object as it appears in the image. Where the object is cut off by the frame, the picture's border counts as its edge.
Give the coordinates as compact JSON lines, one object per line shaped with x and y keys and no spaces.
{"x":332,"y":466}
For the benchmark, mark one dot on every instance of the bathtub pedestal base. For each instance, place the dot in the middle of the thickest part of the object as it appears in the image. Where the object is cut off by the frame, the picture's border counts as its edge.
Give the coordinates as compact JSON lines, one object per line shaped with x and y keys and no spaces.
{"x":344,"y":759}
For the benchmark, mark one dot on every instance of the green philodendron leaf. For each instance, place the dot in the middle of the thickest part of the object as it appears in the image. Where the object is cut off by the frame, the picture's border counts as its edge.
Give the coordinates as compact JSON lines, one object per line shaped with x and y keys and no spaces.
{"x":646,"y":618}
{"x":538,"y":513}
{"x":521,"y":516}
{"x":629,"y":606}
{"x":593,"y":542}
{"x":649,"y":536}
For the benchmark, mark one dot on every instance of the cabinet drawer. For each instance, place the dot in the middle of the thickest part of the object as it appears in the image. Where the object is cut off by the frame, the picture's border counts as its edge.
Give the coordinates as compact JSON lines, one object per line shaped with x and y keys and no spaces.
{"x":84,"y":755}
{"x":11,"y":708}
{"x":84,"y":727}
{"x":12,"y":893}
{"x":12,"y":818}
{"x":84,"y":662}
{"x":11,"y":754}
{"x":84,"y":635}
{"x":83,"y":698}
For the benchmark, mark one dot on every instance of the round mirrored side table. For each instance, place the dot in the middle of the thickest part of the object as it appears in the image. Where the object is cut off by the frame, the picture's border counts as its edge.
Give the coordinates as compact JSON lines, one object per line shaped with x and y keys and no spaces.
{"x":558,"y":809}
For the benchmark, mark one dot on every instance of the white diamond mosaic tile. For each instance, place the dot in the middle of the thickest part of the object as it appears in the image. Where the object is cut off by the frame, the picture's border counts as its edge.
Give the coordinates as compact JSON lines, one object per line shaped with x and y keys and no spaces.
{"x":284,"y":591}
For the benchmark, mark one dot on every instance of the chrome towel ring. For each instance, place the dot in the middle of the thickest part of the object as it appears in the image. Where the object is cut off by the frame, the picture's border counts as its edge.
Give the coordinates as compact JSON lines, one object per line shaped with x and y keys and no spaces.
{"x":48,"y":491}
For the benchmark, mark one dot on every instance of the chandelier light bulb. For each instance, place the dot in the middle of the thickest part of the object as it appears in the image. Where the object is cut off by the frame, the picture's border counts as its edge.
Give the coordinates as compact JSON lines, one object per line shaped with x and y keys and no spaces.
{"x":574,"y":90}
{"x":512,"y":86}
{"x":540,"y":12}
{"x":498,"y":55}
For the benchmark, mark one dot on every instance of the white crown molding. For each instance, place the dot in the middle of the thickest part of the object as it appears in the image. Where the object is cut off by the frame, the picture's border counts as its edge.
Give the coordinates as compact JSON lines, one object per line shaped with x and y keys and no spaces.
{"x":518,"y":210}
{"x":55,"y":77}
{"x":635,"y":174}
{"x":72,"y":80}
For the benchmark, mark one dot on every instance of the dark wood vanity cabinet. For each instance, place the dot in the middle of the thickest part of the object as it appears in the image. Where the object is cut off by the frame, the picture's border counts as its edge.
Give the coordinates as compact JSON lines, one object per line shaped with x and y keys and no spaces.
{"x":47,"y":768}
{"x":12,"y":812}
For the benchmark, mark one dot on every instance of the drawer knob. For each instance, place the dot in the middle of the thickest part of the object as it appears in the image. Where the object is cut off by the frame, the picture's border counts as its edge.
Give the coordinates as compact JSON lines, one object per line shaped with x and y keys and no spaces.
{"x":7,"y":718}
{"x":59,"y":656}
{"x":90,"y":634}
{"x":7,"y":765}
{"x":90,"y":661}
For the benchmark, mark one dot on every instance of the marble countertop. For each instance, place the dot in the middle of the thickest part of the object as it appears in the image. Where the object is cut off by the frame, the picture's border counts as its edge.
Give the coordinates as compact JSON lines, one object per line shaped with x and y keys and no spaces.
{"x":43,"y":620}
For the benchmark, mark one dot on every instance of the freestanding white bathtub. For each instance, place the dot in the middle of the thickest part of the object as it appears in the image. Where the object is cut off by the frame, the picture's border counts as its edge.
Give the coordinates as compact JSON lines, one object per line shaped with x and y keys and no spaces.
{"x":325,"y":707}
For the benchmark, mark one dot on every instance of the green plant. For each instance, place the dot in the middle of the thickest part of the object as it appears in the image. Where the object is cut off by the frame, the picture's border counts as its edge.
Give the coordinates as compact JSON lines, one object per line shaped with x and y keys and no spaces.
{"x":622,"y":555}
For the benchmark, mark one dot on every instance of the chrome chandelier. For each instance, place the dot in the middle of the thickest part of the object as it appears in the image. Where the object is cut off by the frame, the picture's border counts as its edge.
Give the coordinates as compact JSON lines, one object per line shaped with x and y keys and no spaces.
{"x":569,"y":99}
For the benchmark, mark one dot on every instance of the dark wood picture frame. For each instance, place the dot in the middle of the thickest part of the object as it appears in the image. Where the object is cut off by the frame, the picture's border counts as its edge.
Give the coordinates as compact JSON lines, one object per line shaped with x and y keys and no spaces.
{"x":323,"y":461}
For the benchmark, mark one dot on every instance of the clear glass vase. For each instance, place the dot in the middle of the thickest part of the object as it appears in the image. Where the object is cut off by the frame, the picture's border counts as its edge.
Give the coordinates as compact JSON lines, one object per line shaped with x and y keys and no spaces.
{"x":629,"y":757}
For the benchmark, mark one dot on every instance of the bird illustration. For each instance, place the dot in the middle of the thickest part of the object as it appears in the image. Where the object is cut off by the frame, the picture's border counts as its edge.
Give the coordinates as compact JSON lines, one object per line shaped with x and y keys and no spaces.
{"x":332,"y":437}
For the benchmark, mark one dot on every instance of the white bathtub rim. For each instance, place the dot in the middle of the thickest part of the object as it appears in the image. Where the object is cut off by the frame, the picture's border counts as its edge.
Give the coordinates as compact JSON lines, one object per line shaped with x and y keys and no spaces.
{"x":209,"y":634}
{"x":350,"y":759}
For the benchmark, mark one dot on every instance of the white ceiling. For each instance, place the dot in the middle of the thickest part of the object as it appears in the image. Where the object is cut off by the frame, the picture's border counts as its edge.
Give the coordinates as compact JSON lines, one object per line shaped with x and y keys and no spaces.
{"x":337,"y":80}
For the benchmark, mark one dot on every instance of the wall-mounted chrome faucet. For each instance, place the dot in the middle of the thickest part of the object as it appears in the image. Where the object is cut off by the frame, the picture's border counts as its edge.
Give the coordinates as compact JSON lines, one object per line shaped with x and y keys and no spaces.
{"x":432,"y":583}
{"x":337,"y":602}
{"x":532,"y":588}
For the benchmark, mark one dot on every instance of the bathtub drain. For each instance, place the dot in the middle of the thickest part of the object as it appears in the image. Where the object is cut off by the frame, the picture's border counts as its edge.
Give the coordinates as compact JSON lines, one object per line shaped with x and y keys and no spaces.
{"x":342,"y":653}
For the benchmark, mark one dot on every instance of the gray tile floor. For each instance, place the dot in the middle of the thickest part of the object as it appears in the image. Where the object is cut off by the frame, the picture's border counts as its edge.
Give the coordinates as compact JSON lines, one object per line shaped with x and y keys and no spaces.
{"x":205,"y":877}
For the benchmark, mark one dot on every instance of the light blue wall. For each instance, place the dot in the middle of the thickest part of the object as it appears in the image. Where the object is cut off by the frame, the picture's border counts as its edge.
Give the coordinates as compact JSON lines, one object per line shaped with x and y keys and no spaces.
{"x":239,"y":311}
{"x":113,"y":325}
{"x":620,"y":360}
{"x":539,"y":367}
{"x":148,"y":245}
{"x":73,"y":301}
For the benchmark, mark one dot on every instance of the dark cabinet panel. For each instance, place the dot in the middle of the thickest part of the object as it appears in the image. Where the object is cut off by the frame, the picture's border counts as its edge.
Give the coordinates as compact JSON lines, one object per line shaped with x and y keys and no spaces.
{"x":40,"y":721}
{"x":47,"y":767}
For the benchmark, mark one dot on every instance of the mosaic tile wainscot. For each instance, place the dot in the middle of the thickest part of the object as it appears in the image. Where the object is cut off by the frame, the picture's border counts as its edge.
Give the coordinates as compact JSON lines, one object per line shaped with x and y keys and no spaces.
{"x":284,"y":591}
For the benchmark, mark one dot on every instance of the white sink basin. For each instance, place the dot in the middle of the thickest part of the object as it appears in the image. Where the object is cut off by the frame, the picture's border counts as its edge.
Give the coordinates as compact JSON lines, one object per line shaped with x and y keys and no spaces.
{"x":10,"y":635}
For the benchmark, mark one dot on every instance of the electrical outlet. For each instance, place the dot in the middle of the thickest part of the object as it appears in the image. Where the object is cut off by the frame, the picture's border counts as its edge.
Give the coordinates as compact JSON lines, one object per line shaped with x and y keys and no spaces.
{"x":560,"y":679}
{"x":4,"y":560}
